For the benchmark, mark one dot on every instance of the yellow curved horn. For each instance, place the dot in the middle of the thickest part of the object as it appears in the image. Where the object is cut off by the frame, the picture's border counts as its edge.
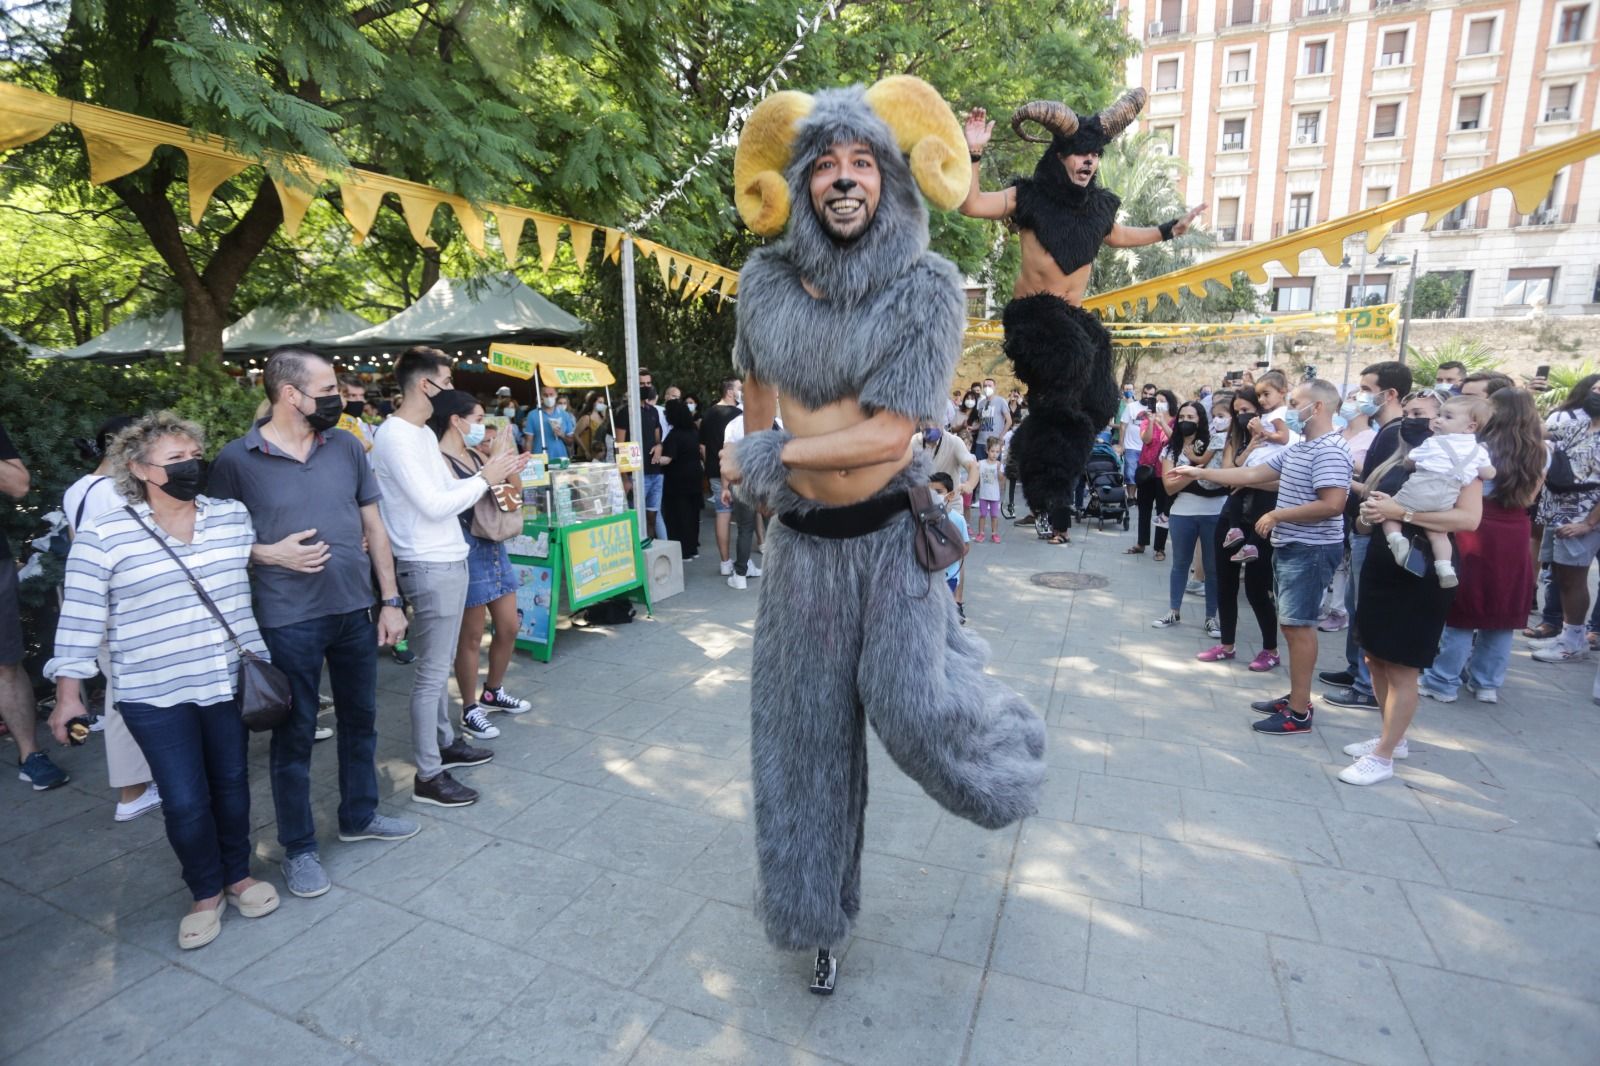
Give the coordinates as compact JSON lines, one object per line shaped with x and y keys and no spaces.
{"x":929,"y":133}
{"x":765,"y":145}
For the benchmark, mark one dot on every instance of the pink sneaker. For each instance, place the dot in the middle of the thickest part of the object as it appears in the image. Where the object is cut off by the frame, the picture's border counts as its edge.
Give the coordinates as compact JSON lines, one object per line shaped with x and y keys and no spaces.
{"x":1335,"y":622}
{"x":1247,"y":554}
{"x":1216,"y":654}
{"x":1233,"y":536}
{"x":1266,"y":660}
{"x":995,"y":537}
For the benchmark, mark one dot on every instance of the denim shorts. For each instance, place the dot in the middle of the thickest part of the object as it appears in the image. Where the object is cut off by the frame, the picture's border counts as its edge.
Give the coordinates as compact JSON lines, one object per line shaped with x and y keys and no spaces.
{"x":716,"y":497}
{"x":653,"y":484}
{"x":1300,"y":573}
{"x":489,"y":573}
{"x":1569,"y":551}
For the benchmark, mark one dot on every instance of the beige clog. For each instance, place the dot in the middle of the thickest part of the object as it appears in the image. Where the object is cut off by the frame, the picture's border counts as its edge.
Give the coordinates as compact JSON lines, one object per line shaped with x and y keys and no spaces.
{"x":258,"y":900}
{"x":201,"y":928}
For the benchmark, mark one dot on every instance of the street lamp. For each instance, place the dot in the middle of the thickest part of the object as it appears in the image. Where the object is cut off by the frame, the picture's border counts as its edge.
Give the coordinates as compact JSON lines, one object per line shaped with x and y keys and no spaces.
{"x":1411,"y":287}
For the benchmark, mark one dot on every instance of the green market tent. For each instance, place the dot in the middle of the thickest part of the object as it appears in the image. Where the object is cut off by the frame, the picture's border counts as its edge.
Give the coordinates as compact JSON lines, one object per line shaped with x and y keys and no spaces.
{"x":132,"y":338}
{"x":464,"y":316}
{"x":267,"y":328}
{"x":34,"y":351}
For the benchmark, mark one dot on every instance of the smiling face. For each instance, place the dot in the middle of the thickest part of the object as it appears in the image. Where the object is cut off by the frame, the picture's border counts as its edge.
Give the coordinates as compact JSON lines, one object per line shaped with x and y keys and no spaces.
{"x":845,"y":186}
{"x":1081,"y":169}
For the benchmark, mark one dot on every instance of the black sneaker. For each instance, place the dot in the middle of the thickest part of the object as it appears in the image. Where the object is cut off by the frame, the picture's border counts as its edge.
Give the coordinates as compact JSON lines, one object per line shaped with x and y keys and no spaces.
{"x":460,"y":753}
{"x":1349,"y":697}
{"x":442,"y":791}
{"x":1342,"y":678}
{"x":1277,"y":706}
{"x":402,"y":654}
{"x":1284,"y":725}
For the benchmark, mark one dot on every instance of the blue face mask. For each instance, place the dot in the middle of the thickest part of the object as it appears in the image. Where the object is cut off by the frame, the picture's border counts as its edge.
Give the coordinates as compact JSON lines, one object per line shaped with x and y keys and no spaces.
{"x":1366,"y":404}
{"x":474,"y":434}
{"x":1347,"y":411}
{"x":1295,"y":421}
{"x":1340,"y":421}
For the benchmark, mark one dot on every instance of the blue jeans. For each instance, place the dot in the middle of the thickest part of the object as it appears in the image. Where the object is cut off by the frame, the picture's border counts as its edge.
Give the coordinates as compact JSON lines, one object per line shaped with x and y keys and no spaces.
{"x":1483,"y":663}
{"x":1185,"y":529}
{"x":1300,"y":572}
{"x":197,"y":759}
{"x":348,"y":643}
{"x":1355,"y":662}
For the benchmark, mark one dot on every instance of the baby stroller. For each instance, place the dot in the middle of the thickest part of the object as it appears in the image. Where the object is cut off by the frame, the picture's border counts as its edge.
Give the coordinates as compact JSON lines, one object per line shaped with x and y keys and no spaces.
{"x":1108,"y":493}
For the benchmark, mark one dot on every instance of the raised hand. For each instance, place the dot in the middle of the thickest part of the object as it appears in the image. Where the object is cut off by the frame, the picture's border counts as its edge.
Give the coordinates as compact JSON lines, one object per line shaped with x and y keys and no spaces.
{"x":1182,"y":225}
{"x":978,"y":129}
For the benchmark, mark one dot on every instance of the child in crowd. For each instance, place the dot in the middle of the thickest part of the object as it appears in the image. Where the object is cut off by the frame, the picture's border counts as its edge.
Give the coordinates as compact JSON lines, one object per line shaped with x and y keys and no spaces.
{"x":954,"y":575}
{"x":991,"y":482}
{"x":1440,"y":466}
{"x":1269,"y":435}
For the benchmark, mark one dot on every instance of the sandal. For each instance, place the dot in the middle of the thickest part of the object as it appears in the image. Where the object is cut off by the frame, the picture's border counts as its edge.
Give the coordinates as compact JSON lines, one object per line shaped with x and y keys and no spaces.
{"x":1542,"y":631}
{"x":1059,"y":538}
{"x":1160,"y":557}
{"x":200,"y":928}
{"x":1137,"y":549}
{"x":257,"y":901}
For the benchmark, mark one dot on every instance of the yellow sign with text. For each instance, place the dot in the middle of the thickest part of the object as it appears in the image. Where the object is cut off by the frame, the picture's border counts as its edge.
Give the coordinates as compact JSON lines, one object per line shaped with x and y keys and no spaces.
{"x":571,"y":377}
{"x":601,"y":559}
{"x":1375,"y":323}
{"x":512,"y":363}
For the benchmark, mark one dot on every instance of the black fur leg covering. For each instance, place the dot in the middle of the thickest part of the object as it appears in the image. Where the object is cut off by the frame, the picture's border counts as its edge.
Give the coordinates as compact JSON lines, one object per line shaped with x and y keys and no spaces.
{"x":1063,"y":355}
{"x":762,"y":475}
{"x":851,"y":632}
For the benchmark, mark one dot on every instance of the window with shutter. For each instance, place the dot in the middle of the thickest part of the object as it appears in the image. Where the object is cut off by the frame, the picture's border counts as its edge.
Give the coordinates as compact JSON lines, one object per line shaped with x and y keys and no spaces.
{"x":1394,"y":48}
{"x":1316,"y":58}
{"x":1558,"y":103}
{"x":1385,"y":120}
{"x":1166,"y":74}
{"x":1233,"y":134}
{"x":1480,"y":36}
{"x":1469,"y":112}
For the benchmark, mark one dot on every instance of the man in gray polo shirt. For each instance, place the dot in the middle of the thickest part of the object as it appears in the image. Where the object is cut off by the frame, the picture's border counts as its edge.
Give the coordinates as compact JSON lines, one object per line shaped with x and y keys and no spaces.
{"x":313,"y":498}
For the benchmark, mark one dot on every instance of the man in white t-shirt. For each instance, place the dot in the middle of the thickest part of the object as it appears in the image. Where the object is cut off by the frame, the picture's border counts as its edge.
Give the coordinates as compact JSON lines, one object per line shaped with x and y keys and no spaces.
{"x":994,"y":414}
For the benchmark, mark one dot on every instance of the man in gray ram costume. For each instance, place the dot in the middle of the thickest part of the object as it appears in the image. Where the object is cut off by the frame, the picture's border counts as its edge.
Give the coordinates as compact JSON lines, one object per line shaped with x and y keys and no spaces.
{"x":853,"y":327}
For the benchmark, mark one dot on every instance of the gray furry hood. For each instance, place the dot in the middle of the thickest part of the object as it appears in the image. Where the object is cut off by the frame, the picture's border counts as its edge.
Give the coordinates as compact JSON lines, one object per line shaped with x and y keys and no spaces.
{"x":896,"y":237}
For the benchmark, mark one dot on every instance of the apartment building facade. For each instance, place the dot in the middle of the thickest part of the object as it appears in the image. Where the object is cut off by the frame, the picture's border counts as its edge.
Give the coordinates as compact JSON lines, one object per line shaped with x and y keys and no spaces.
{"x":1293,"y":112}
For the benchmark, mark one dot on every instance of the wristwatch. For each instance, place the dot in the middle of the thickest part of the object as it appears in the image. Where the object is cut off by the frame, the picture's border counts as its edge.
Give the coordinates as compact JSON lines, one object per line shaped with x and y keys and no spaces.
{"x":393,"y":601}
{"x":1408,"y":518}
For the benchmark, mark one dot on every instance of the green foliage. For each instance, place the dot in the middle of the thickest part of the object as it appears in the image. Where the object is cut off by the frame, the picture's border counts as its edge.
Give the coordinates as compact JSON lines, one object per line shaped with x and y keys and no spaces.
{"x":1562,"y":380}
{"x":1434,"y":294}
{"x":1471,"y":352}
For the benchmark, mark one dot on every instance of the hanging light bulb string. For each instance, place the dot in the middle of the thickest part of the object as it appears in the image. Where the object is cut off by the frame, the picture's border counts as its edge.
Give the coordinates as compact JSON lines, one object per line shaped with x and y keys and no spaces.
{"x":746,"y":101}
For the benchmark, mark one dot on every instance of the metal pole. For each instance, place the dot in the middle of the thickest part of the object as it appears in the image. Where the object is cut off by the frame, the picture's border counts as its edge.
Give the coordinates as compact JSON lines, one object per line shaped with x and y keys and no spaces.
{"x":1405,"y":321}
{"x":630,"y":341}
{"x":1350,"y":341}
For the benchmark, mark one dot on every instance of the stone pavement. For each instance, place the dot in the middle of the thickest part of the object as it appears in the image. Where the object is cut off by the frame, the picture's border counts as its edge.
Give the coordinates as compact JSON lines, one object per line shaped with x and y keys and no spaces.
{"x":1189,"y":892}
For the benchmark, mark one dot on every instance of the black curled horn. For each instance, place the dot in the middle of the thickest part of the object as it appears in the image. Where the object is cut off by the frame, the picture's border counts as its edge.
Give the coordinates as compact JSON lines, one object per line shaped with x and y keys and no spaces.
{"x":1056,"y":117}
{"x":1120,"y":115}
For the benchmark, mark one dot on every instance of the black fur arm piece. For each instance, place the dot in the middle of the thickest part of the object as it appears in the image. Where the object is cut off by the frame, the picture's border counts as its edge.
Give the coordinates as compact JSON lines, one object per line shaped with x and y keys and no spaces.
{"x":919,"y":333}
{"x":762,"y":475}
{"x":1166,"y":228}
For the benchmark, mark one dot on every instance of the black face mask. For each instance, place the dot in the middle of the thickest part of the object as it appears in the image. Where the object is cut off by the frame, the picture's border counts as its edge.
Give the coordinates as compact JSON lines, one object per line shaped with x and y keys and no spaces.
{"x":1186,"y":429}
{"x":186,"y":479}
{"x":354,"y":408}
{"x":1591,"y":405}
{"x":1243,"y":420}
{"x":1415,"y":430}
{"x":327,"y":413}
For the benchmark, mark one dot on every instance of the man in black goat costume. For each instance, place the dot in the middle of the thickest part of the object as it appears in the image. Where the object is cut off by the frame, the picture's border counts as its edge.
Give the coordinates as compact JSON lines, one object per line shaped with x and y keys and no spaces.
{"x":1060,"y":351}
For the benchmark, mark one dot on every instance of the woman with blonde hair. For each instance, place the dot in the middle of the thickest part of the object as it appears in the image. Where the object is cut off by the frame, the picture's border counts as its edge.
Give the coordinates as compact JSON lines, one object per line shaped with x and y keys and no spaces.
{"x":134,"y":579}
{"x":1495,"y":567}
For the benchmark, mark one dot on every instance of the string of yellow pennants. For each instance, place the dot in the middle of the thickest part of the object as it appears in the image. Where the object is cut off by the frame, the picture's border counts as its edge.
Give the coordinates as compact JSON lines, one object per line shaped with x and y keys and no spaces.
{"x":1376,"y":324}
{"x":118,"y":143}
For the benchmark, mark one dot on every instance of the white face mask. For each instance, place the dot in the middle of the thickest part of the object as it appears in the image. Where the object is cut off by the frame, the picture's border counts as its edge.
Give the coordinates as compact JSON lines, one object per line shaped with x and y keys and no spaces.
{"x":599,"y":408}
{"x":966,"y":403}
{"x":549,"y":401}
{"x":1161,"y":407}
{"x":988,"y":390}
{"x":691,"y":407}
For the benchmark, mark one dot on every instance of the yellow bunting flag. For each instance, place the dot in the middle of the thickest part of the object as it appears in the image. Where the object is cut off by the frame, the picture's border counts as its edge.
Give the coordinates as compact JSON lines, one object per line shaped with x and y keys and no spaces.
{"x":613,"y":247}
{"x":361,"y":202}
{"x":206,"y":173}
{"x":582,"y":237}
{"x":419,"y":209}
{"x":549,"y":230}
{"x":511,"y":223}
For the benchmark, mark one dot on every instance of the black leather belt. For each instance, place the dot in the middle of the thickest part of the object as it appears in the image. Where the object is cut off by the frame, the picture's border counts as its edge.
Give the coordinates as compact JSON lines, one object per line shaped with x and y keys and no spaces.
{"x":851,"y":520}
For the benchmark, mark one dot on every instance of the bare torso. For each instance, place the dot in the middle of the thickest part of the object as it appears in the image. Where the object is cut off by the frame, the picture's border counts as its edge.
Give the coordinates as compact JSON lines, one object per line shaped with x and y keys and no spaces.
{"x":835,"y":487}
{"x":1040,"y":274}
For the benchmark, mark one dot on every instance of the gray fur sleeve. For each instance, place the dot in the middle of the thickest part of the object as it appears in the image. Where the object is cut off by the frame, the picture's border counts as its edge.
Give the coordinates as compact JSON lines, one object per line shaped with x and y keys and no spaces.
{"x":762,"y":476}
{"x":920,"y":333}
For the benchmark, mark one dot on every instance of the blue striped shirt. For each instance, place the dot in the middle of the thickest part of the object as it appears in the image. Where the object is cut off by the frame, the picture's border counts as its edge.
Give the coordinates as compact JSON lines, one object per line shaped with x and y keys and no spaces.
{"x":1320,"y":463}
{"x":166,"y":647}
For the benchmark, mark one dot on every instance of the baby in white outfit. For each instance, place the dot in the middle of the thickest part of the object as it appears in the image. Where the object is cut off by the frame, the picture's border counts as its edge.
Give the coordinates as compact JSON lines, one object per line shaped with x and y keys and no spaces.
{"x":1440,"y":466}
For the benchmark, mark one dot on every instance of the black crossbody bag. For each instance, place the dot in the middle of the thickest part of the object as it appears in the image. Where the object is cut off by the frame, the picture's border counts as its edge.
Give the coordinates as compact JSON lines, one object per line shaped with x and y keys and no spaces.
{"x":262,"y":690}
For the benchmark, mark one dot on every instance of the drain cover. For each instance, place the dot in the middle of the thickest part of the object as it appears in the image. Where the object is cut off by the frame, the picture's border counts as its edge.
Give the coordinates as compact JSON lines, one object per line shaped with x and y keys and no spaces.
{"x":1070,"y":580}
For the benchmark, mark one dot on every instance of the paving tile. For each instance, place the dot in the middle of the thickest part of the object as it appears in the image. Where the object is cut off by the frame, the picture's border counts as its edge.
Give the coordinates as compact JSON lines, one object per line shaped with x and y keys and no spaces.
{"x":1229,"y":887}
{"x":71,"y":967}
{"x":679,"y":778}
{"x":246,"y":940}
{"x":1343,"y":1003}
{"x":1043,"y":936}
{"x":646,"y":840}
{"x":595,"y":762}
{"x":1508,"y":940}
{"x":506,"y":892}
{"x":28,"y":811}
{"x":1276,"y":778}
{"x":905,"y":903}
{"x":564,"y":1017}
{"x":38,"y":862}
{"x":1168,"y":1041}
{"x":616,"y":927}
{"x":308,"y":966}
{"x":683,"y":1039}
{"x":899,"y":823}
{"x":893,"y":1005}
{"x":1021,"y":1023}
{"x":1558,"y":817}
{"x":1195,"y":969}
{"x":1154,"y":760}
{"x":1240,"y":823}
{"x":1470,"y":1021}
{"x":406,"y":870}
{"x":720,"y":736}
{"x":633,"y":719}
{"x":726,"y":870}
{"x":1070,"y":749}
{"x":1502,"y":865}
{"x":20,"y":911}
{"x":1376,"y":845}
{"x":1133,"y":806}
{"x":423,"y":997}
{"x":1085,"y":713}
{"x":1363,"y":912}
{"x":961,"y":845}
{"x":236,"y":1030}
{"x":721,"y":967}
{"x":1093,"y":862}
{"x":970,"y":929}
{"x":128,"y":1024}
{"x":1392,"y":799}
{"x":551,"y":819}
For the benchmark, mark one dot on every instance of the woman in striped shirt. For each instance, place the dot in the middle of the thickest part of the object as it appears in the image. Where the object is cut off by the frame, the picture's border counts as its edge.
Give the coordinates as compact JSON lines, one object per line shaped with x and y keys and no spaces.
{"x":173,"y":666}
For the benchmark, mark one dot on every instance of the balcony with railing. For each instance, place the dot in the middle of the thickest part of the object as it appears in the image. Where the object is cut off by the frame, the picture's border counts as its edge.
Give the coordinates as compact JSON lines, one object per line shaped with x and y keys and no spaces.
{"x":1239,"y":233}
{"x":1163,"y":28}
{"x":1463,"y":221}
{"x":1564,"y":215}
{"x":1315,"y":9}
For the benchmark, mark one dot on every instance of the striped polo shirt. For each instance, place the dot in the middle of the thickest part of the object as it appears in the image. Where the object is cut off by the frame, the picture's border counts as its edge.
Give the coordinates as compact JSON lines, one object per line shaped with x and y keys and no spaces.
{"x":166,"y":647}
{"x":1320,"y":463}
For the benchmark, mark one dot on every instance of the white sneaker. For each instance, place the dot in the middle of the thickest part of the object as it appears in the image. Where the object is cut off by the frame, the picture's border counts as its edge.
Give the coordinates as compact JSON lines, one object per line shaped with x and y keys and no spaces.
{"x":1367,"y":770}
{"x":1560,"y":653}
{"x":149,"y":801}
{"x":751,"y":569}
{"x":476,"y":724}
{"x":1487,"y":695}
{"x":1366,"y":747}
{"x":1438,"y":696}
{"x":1166,"y":621}
{"x":725,"y":567}
{"x":1213,"y":628}
{"x":737,"y":582}
{"x":322,"y":732}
